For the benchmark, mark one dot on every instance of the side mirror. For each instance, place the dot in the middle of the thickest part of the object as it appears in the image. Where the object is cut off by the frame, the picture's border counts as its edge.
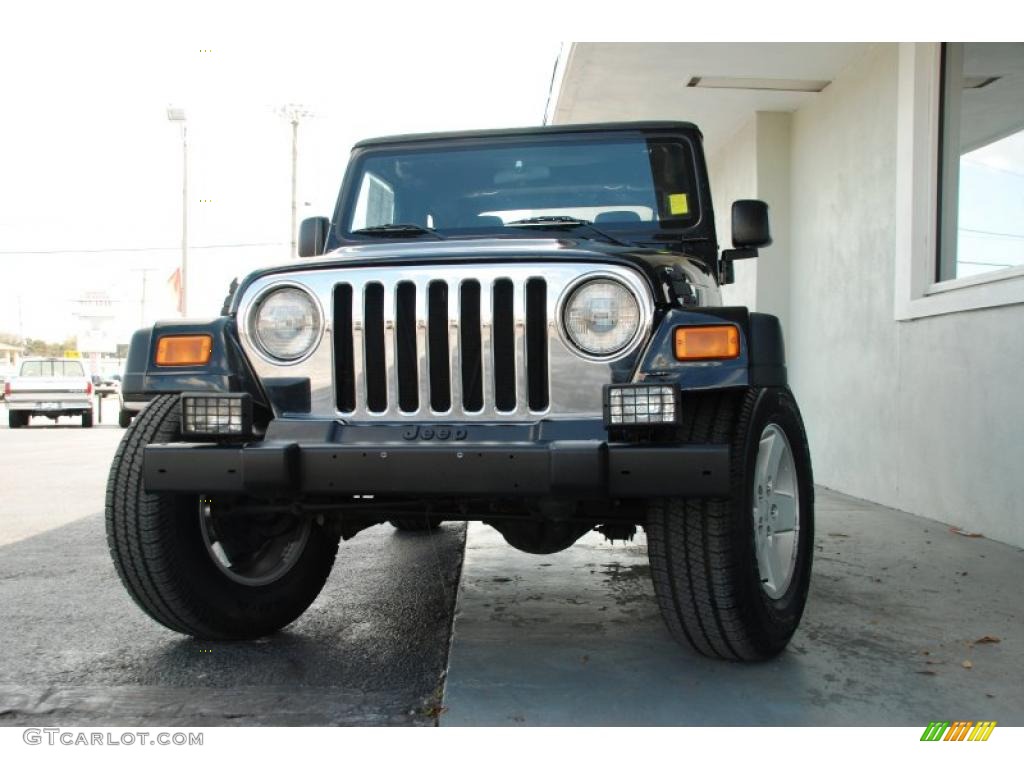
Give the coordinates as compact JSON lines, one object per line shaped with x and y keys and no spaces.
{"x":313,"y":236}
{"x":750,"y":224}
{"x":749,"y":232}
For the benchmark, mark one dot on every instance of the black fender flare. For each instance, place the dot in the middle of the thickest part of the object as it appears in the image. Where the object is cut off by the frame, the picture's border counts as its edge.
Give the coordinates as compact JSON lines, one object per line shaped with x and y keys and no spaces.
{"x":767,"y":351}
{"x":227,"y":371}
{"x":761,"y":362}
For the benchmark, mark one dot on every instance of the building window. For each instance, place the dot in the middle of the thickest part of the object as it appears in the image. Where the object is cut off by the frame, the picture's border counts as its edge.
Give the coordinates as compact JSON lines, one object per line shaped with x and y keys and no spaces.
{"x":981,"y":164}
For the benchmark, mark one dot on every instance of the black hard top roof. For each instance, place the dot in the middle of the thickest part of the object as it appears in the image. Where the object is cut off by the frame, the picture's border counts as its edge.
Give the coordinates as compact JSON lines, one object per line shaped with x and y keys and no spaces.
{"x":647,"y":125}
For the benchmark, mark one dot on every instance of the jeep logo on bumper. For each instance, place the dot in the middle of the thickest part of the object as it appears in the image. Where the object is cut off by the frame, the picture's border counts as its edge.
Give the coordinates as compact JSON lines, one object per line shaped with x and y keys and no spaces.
{"x":434,"y":433}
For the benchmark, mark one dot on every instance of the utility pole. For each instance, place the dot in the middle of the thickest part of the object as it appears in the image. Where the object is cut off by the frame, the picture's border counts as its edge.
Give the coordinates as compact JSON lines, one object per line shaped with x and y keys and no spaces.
{"x":142,"y":302}
{"x":177,"y":115}
{"x":294,"y":114}
{"x":295,"y":172}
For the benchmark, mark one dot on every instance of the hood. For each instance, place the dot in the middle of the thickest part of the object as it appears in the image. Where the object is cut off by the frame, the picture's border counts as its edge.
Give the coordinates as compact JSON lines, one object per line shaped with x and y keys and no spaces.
{"x":648,"y":261}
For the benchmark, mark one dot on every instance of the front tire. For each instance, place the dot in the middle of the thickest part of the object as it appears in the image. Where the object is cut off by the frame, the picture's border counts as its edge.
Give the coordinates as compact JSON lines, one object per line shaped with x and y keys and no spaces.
{"x":124,"y":419}
{"x":17,"y":419}
{"x":728,"y":584}
{"x":161,"y":547}
{"x":86,"y":419}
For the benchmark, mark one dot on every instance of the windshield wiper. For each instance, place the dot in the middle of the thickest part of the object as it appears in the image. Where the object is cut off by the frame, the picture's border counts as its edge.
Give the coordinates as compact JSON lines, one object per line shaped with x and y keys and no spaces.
{"x":397,"y":230}
{"x":568,"y":222}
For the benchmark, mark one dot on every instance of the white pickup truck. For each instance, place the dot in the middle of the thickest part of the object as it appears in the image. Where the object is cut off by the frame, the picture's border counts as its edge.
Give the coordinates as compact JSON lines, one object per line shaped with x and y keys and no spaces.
{"x":51,"y":387}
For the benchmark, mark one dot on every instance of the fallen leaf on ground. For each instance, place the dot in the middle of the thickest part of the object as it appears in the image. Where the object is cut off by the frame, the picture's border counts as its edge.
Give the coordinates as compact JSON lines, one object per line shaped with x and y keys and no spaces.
{"x":925,"y":671}
{"x":932,"y":661}
{"x":840,"y":535}
{"x":967,"y":664}
{"x":968,"y":534}
{"x":987,"y":639}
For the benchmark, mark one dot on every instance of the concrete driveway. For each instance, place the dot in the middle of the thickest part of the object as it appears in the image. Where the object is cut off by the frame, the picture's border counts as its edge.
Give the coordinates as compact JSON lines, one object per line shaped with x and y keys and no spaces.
{"x":892,"y":635}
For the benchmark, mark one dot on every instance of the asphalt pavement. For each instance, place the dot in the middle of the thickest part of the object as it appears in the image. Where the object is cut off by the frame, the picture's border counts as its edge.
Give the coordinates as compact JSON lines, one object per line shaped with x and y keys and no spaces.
{"x":74,"y":648}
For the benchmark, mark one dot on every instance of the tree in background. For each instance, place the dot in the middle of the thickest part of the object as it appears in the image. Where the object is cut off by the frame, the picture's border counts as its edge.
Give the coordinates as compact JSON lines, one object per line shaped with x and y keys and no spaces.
{"x":39,"y":347}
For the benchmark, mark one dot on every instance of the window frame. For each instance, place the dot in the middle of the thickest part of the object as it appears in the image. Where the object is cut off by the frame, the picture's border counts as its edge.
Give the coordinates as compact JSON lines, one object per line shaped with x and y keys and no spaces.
{"x":918,"y":292}
{"x":693,"y":227}
{"x":53,"y":369}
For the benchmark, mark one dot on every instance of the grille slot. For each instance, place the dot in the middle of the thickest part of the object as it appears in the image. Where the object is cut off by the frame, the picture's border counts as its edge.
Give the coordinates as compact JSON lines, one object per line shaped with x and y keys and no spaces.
{"x":437,"y":320}
{"x":345,"y":383}
{"x":537,"y":343}
{"x":405,"y":347}
{"x":445,"y":347}
{"x":504,"y":347}
{"x":469,"y":324}
{"x":376,"y":352}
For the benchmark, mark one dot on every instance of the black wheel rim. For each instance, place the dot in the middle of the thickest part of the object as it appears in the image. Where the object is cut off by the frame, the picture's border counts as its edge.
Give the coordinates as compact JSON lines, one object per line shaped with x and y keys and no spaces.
{"x":264,"y":555}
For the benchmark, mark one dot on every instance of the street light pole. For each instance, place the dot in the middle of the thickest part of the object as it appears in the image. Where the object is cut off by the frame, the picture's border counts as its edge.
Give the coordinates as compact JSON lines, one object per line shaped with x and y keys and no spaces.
{"x":177,"y":115}
{"x":295,"y":168}
{"x":294,"y":114}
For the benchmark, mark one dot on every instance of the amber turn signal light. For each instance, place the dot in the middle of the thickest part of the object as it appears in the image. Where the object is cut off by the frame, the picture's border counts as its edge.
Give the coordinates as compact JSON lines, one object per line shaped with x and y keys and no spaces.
{"x":184,"y":350}
{"x":707,"y":342}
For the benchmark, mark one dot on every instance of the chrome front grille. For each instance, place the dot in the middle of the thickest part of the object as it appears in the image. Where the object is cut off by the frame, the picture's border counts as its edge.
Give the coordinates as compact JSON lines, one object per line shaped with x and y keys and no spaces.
{"x":424,"y":345}
{"x":459,"y":342}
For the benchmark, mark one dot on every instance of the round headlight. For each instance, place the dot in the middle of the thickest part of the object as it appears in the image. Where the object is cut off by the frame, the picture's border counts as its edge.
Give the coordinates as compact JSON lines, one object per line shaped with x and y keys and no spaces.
{"x":601,"y":317}
{"x":286,"y":324}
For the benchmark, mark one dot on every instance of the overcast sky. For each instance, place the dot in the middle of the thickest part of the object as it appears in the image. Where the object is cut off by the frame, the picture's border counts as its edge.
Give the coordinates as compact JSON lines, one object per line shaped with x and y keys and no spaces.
{"x":90,"y":163}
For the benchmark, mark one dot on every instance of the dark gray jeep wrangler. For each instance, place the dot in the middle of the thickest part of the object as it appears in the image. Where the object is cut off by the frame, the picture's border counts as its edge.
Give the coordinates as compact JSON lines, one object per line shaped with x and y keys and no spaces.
{"x":521,"y":327}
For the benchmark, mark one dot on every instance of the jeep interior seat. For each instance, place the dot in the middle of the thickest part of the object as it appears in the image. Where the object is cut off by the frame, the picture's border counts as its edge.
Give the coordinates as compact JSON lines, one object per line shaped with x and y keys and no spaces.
{"x":617,"y":217}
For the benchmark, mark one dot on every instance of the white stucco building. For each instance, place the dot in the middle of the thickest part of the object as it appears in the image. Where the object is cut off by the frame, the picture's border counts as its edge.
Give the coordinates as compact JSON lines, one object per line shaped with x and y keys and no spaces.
{"x":895,"y":178}
{"x":9,"y":356}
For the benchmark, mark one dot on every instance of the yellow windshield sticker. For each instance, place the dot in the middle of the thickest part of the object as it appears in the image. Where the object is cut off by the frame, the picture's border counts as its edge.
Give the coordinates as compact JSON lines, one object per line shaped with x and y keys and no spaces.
{"x":678,"y":204}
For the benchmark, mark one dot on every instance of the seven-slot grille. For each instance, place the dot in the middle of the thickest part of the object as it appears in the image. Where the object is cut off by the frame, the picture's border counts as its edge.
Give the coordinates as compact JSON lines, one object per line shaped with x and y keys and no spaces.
{"x":420,"y":345}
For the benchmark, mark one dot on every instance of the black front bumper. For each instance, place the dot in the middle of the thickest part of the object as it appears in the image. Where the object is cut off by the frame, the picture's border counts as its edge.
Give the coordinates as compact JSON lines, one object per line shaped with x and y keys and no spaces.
{"x":384,"y":461}
{"x":582,"y":469}
{"x":479,"y":461}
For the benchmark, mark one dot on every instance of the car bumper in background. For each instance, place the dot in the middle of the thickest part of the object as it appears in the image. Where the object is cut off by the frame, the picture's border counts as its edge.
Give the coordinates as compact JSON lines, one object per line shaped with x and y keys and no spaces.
{"x":57,"y":404}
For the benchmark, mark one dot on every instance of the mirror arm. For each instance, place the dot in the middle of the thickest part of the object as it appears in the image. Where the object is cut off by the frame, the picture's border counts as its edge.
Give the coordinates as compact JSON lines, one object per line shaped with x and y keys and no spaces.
{"x":734,"y":254}
{"x":726,"y":271}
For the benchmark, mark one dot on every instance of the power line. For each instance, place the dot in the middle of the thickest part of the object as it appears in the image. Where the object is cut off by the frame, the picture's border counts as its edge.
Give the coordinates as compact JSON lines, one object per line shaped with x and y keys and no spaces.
{"x":985,"y":263}
{"x":139,"y":250}
{"x":990,"y":232}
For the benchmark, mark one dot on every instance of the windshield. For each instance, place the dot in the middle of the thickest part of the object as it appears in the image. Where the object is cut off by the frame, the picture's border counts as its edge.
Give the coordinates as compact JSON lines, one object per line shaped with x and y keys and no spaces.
{"x":618,"y":183}
{"x":67,"y":368}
